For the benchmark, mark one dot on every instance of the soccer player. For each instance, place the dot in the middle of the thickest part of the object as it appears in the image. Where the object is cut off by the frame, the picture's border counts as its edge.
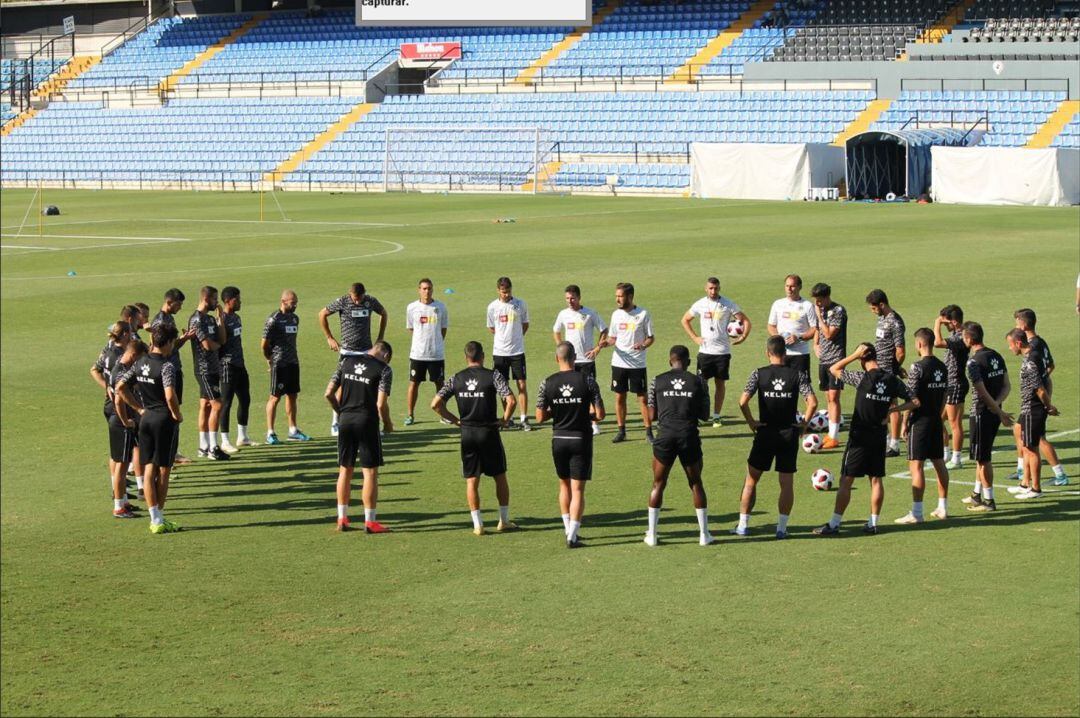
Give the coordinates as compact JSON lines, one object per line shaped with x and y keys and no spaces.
{"x":427,"y":319}
{"x":951,"y":320}
{"x":928,"y":384}
{"x":123,"y":432}
{"x":578,"y":325}
{"x":279,"y":349}
{"x":508,"y":322}
{"x":678,"y":400}
{"x":101,"y":371}
{"x":209,"y":331}
{"x":570,"y":398}
{"x":631,"y":333}
{"x":794,"y":319}
{"x":173,"y":303}
{"x":889,"y":347}
{"x":1025,"y":321}
{"x":358,"y":393}
{"x":235,"y":382}
{"x":1035,"y":406}
{"x":149,"y":387}
{"x":355,"y":310}
{"x":876,"y":394}
{"x":830,"y":344}
{"x":478,"y":391}
{"x":989,"y":386}
{"x":714,"y":312}
{"x":776,"y":438}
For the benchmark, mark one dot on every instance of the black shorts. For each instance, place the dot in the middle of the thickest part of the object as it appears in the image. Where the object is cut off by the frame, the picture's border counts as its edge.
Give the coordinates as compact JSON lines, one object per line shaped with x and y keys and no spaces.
{"x":1032,"y":428}
{"x":714,"y":366}
{"x":516,"y":364}
{"x":771,"y":445}
{"x":358,"y":436}
{"x":623,"y":379}
{"x":209,"y":386}
{"x":826,"y":381}
{"x":121,"y":440}
{"x":285,"y":379}
{"x":926,"y":439}
{"x":982,"y":430}
{"x":865,"y":452}
{"x":800,"y":362}
{"x":573,"y":456}
{"x":588,"y":368}
{"x":956,"y":393}
{"x":669,"y":446}
{"x":157,"y":439}
{"x":430,"y":370}
{"x":481,"y":452}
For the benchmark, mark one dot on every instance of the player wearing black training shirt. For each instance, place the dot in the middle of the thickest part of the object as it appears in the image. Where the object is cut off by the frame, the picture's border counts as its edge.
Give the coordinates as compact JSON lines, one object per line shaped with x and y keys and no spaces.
{"x":570,"y":399}
{"x":778,"y":387}
{"x":951,"y":319}
{"x":990,"y":386}
{"x":928,"y":382}
{"x":279,"y":349}
{"x":830,"y":343}
{"x":1040,"y":353}
{"x":1035,"y":407}
{"x":123,"y":431}
{"x":889,"y":348}
{"x":354,"y":310}
{"x":173,"y":303}
{"x":876,"y":393}
{"x":477,"y":390}
{"x":235,"y":382}
{"x":678,"y":400}
{"x":209,"y":331}
{"x":149,"y":387}
{"x":358,"y":392}
{"x":102,"y":369}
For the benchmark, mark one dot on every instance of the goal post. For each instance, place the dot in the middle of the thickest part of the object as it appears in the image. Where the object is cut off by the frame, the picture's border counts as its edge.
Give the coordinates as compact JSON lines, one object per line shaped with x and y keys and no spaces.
{"x":466,"y":158}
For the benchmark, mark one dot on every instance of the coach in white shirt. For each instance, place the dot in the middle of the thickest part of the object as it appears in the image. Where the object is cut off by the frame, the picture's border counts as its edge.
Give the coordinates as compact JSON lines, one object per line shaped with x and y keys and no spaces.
{"x":578,"y":324}
{"x":427,"y":320}
{"x":508,"y":321}
{"x":795,"y":320}
{"x":714,"y":313}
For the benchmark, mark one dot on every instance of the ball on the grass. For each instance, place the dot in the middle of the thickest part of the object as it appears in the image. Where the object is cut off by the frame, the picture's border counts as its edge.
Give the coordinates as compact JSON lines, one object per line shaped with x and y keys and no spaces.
{"x":811,"y":443}
{"x":819,"y":421}
{"x":821,"y":480}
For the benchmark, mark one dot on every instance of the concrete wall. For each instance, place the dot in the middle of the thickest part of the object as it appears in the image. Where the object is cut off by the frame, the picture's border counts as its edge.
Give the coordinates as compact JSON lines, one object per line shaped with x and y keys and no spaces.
{"x":1002,"y":50}
{"x":923,"y":75}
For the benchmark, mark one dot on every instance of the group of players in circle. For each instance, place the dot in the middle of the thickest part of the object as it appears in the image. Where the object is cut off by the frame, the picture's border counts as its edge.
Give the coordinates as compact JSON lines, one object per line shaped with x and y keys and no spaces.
{"x":143,"y":385}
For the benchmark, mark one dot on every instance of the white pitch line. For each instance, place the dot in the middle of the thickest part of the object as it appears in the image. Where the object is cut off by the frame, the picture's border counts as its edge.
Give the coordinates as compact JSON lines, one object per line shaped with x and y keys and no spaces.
{"x":26,"y":246}
{"x":281,"y":221}
{"x":100,"y":246}
{"x":64,"y":224}
{"x":1051,"y":437}
{"x":101,"y":236}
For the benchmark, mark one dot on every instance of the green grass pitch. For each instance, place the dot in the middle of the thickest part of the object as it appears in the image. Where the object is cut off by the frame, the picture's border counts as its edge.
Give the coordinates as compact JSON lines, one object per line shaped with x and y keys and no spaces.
{"x":259,"y":607}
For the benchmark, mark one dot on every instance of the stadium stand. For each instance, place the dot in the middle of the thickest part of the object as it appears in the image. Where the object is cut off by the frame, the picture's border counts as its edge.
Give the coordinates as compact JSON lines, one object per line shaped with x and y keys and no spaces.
{"x":1027,"y":29}
{"x":1070,"y":135}
{"x":758,"y":43}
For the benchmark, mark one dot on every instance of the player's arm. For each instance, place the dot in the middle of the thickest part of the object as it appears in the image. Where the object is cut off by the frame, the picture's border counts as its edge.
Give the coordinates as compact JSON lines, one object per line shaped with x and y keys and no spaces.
{"x":939,"y":340}
{"x":647,"y":343}
{"x":490,"y":322}
{"x":542,"y":412}
{"x":122,"y":413}
{"x":324,"y":322}
{"x":438,"y":405}
{"x":702,"y":397}
{"x":984,"y":396}
{"x":383,"y":317}
{"x":744,"y":402}
{"x":174,"y":404}
{"x":267,"y":349}
{"x":1044,"y":397}
{"x":383,"y":405}
{"x":837,"y":369}
{"x":688,"y":327}
{"x":650,"y":399}
{"x":601,"y":342}
{"x":222,"y":332}
{"x":331,"y":393}
{"x":597,"y":399}
{"x":557,"y":336}
{"x":747,"y":326}
{"x":99,"y":376}
{"x":1006,"y":389}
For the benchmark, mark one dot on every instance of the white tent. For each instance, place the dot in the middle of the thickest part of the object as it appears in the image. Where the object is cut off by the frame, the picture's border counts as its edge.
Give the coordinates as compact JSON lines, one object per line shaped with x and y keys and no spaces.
{"x":763,"y":171}
{"x":1006,"y":175}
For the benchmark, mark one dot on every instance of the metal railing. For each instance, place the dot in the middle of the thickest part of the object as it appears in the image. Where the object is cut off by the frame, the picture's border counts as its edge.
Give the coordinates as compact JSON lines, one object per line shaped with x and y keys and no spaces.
{"x":22,"y":81}
{"x":134,"y":29}
{"x":989,"y":84}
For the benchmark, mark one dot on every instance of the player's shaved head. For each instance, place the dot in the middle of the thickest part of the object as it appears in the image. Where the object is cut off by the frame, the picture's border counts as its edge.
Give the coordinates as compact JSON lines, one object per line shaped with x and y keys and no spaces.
{"x":775,"y":346}
{"x":679,"y":356}
{"x":924,"y":335}
{"x":383,"y":351}
{"x":207,"y":292}
{"x":288,"y":295}
{"x":565,"y":353}
{"x":474,"y":352}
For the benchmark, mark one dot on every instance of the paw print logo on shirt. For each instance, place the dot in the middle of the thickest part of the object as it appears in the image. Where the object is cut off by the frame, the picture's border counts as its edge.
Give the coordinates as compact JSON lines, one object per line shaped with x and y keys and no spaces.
{"x":471,"y":384}
{"x":566,"y":389}
{"x":880,"y":387}
{"x":146,"y":370}
{"x":938,"y":376}
{"x":359,"y":368}
{"x":994,"y":364}
{"x":677,"y":384}
{"x":778,"y":384}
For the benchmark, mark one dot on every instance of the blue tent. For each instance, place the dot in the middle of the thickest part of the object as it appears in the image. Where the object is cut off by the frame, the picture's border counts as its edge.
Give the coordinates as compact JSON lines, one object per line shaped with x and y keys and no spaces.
{"x":883,"y":162}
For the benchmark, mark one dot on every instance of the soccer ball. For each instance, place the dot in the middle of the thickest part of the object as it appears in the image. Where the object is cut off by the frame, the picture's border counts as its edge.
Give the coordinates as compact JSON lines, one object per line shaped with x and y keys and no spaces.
{"x":735,"y":328}
{"x":819,"y":421}
{"x":821,"y":480}
{"x":811,"y":443}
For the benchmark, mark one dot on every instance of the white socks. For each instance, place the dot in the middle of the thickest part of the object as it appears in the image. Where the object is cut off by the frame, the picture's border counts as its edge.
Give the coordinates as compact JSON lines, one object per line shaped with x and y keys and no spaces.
{"x":942,"y":505}
{"x":988,"y":493}
{"x":835,"y":520}
{"x":956,"y":457}
{"x":335,"y":415}
{"x":873,"y":519}
{"x":834,"y":430}
{"x":571,"y":533}
{"x":504,"y":514}
{"x":241,"y":433}
{"x":654,"y":519}
{"x":369,"y":514}
{"x":894,"y":443}
{"x":117,"y":504}
{"x":156,"y":516}
{"x":138,"y":481}
{"x":293,"y":431}
{"x":204,"y":440}
{"x":781,"y":523}
{"x":1059,"y":470}
{"x":917,"y":509}
{"x":1020,"y":464}
{"x":566,"y":523}
{"x":477,"y":522}
{"x":744,"y":521}
{"x":342,"y":511}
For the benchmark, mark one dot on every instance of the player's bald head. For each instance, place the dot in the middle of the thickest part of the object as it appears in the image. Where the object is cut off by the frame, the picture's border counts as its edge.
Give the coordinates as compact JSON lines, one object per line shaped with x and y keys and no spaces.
{"x":565,"y":353}
{"x":288,"y":296}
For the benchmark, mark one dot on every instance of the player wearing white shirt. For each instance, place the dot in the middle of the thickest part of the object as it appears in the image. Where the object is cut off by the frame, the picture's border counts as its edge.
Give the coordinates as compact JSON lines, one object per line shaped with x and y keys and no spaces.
{"x":714,"y":312}
{"x":508,"y":321}
{"x":578,"y":324}
{"x":631,"y":333}
{"x":427,"y":321}
{"x":795,"y":319}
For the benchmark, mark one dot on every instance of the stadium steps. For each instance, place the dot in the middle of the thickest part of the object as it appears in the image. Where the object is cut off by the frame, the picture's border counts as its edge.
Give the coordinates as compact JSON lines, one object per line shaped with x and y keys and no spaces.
{"x":324,"y":138}
{"x":1054,"y":124}
{"x":692,"y":67}
{"x":547,"y":171}
{"x":170,"y":82}
{"x":54,"y":85}
{"x":943,"y":26}
{"x":862,"y":123}
{"x":526,"y":76}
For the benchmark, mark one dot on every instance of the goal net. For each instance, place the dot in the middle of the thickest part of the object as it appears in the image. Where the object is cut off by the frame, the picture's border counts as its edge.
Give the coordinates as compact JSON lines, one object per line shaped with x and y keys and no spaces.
{"x":478,"y":159}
